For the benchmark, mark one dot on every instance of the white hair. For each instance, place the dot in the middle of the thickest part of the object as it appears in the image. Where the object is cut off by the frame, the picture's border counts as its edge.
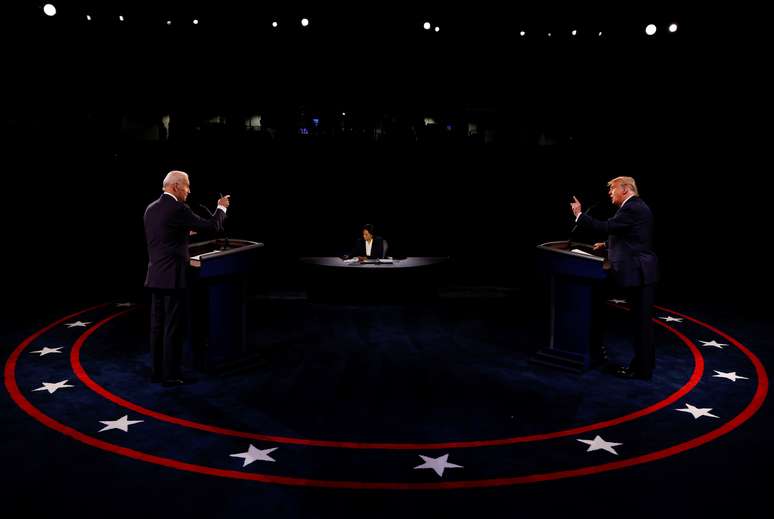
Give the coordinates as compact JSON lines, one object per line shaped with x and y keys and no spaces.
{"x":174,"y":177}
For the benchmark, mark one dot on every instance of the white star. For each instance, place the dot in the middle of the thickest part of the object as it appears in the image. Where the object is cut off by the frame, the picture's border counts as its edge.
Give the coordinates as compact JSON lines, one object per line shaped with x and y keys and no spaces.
{"x":46,"y":350}
{"x":127,"y":305}
{"x":696,"y":412}
{"x":254,"y":454}
{"x":51,"y":387}
{"x":714,"y":343}
{"x":122,"y":423}
{"x":77,"y":323}
{"x":617,"y":301}
{"x":732,"y":376}
{"x":670,"y":319}
{"x":599,"y":444}
{"x":437,"y":464}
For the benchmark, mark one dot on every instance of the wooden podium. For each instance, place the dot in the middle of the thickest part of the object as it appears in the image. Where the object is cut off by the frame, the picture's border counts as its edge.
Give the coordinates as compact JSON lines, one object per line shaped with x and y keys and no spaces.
{"x":575,"y":275}
{"x":218,"y":317}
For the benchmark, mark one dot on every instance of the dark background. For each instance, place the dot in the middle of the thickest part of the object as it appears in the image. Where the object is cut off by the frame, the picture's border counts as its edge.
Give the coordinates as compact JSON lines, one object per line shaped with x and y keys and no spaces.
{"x":553,"y":117}
{"x":82,"y":156}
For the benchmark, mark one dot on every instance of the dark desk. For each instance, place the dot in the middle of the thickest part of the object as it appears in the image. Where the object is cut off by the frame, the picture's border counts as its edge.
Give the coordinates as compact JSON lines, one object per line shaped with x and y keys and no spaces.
{"x":407,"y":263}
{"x":333,"y":279}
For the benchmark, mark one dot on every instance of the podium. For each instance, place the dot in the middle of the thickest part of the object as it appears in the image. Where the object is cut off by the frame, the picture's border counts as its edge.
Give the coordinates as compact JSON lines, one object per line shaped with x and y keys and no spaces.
{"x":576,"y":276}
{"x":218,"y":316}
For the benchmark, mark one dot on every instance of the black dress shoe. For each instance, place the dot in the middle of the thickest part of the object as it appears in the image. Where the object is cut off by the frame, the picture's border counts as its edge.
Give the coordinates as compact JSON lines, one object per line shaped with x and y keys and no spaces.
{"x":624,"y":372}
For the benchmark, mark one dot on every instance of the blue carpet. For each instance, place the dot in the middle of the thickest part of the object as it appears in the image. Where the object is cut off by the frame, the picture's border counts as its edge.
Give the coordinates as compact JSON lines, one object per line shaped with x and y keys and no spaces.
{"x":454,"y":370}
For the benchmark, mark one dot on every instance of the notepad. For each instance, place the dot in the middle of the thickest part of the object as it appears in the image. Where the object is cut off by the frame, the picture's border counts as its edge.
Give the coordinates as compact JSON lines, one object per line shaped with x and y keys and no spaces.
{"x":581,"y":252}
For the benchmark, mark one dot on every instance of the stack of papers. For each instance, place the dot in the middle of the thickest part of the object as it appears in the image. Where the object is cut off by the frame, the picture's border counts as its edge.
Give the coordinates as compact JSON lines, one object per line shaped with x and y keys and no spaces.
{"x":581,"y":252}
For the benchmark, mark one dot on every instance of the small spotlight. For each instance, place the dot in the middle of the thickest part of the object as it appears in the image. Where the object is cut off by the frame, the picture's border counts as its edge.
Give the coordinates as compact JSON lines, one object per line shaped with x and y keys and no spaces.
{"x":549,"y":34}
{"x":522,"y":33}
{"x":574,"y":32}
{"x":426,"y":25}
{"x":274,"y":24}
{"x":169,"y":22}
{"x":195,"y":21}
{"x":49,"y":9}
{"x":343,"y":113}
{"x":437,"y":28}
{"x":304,"y":21}
{"x":673,"y":27}
{"x":650,"y":30}
{"x":88,"y":17}
{"x":120,"y":18}
{"x":600,"y":34}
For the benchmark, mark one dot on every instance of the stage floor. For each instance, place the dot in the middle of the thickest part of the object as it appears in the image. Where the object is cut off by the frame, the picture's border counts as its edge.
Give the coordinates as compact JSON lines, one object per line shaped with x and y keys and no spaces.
{"x":359,"y":400}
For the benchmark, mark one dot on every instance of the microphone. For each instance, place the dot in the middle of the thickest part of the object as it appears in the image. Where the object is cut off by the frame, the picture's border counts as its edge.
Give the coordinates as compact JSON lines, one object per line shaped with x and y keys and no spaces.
{"x":211,"y":214}
{"x":586,"y":212}
{"x":205,"y":208}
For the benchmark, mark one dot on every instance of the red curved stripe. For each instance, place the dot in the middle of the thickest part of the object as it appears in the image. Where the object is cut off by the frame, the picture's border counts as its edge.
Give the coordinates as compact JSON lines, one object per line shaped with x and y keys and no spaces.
{"x":749,"y":411}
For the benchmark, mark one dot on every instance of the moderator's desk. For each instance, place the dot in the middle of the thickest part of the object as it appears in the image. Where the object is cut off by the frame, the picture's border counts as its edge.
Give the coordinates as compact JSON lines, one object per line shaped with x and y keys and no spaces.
{"x":332,"y":278}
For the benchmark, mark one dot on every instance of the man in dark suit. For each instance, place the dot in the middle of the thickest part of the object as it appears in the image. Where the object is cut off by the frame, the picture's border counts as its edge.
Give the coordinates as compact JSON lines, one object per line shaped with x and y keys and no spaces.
{"x":369,"y":246}
{"x":168,"y":222}
{"x":634,"y":265}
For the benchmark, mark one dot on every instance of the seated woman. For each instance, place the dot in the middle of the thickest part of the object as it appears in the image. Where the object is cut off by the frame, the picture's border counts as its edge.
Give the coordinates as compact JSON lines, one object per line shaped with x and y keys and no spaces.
{"x":369,"y":246}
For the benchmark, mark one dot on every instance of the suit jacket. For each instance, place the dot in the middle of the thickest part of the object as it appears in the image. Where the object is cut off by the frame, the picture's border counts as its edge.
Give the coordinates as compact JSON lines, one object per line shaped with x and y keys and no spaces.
{"x":629,"y":244}
{"x":167,"y":223}
{"x":377,"y":248}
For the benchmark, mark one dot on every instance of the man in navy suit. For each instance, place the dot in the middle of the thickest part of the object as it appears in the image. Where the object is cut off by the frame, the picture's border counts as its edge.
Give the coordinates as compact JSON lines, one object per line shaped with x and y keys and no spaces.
{"x":369,"y":246}
{"x":168,"y":223}
{"x":634,"y":266}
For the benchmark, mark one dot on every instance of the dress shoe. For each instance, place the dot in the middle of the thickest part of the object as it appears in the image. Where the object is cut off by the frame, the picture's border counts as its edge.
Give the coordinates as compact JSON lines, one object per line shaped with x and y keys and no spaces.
{"x":625,"y":372}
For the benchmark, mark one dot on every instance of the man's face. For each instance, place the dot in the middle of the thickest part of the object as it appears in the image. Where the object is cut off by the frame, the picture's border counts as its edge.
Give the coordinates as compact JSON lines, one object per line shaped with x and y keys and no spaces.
{"x":367,"y":236}
{"x":617,"y":193}
{"x":183,"y":189}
